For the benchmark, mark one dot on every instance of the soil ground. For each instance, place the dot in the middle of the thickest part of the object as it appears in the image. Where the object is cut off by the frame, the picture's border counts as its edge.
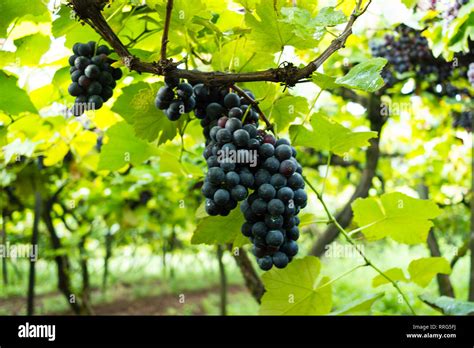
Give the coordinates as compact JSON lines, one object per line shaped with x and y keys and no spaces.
{"x":187,"y":302}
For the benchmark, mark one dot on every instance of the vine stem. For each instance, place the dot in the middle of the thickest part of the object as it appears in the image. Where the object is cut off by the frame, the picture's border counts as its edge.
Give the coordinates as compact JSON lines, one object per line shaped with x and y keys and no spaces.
{"x":164,"y":38}
{"x":89,"y":11}
{"x":328,"y":166}
{"x":350,"y":233}
{"x":181,"y":134}
{"x":254,"y":103}
{"x":354,"y":244}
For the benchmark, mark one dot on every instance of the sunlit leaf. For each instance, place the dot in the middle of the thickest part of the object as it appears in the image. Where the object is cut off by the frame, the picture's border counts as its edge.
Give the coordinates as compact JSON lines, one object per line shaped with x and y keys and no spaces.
{"x":423,"y":270}
{"x":294,"y":290}
{"x":365,"y":76}
{"x":55,"y":153}
{"x":136,"y":106}
{"x":123,"y":148}
{"x":84,"y":142}
{"x":286,"y":109}
{"x":11,"y":9}
{"x":30,"y":49}
{"x":395,"y":274}
{"x":328,"y":135}
{"x":271,"y":33}
{"x":220,"y":230}
{"x":329,"y":17}
{"x":395,"y":215}
{"x":13,"y":99}
{"x":324,"y":81}
{"x":359,"y":307}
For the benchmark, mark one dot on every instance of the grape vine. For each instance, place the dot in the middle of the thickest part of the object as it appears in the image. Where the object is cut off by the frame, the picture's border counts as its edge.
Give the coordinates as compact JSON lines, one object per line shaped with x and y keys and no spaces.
{"x":239,"y":156}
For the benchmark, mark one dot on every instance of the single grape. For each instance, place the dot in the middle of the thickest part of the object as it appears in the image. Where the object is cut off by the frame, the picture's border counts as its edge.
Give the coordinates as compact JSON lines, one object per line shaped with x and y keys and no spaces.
{"x":266,"y":192}
{"x":259,"y":229}
{"x":265,"y":263}
{"x":274,"y":238}
{"x":95,"y":102}
{"x":280,"y":260}
{"x":231,"y":100}
{"x":92,"y":71}
{"x":239,"y":193}
{"x":75,"y":90}
{"x":221,"y":197}
{"x":276,"y":207}
{"x":287,"y":168}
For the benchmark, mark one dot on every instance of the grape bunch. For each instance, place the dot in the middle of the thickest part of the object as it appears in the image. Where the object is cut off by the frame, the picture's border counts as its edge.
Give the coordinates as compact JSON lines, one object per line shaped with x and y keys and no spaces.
{"x":470,"y":74}
{"x":271,"y":210}
{"x":275,"y":176}
{"x":176,"y":98}
{"x":230,"y":155}
{"x":212,"y":103}
{"x":408,"y":51}
{"x":263,"y":174}
{"x":245,"y":165}
{"x":93,"y":77}
{"x":405,"y":51}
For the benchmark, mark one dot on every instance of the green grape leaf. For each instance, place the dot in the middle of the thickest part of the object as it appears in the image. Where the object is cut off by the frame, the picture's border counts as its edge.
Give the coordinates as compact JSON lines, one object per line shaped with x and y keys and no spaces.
{"x":6,"y":58}
{"x":448,"y":305}
{"x":328,"y":135}
{"x":136,"y":106}
{"x":286,"y":109}
{"x":13,"y":99}
{"x":183,"y":13}
{"x":54,"y":154}
{"x":62,"y":79}
{"x":395,"y":215}
{"x":306,"y":219}
{"x":362,"y":306}
{"x":220,"y":230}
{"x":294,"y":290}
{"x":271,"y":33}
{"x":170,"y":163}
{"x":422,"y":271}
{"x":30,"y":49}
{"x":66,"y":25}
{"x":364,"y":76}
{"x":123,"y":148}
{"x":299,"y":18}
{"x":329,"y":17}
{"x":461,"y":29}
{"x":201,"y":211}
{"x":3,"y":135}
{"x":396,"y":274}
{"x":34,"y":10}
{"x":242,"y":55}
{"x":324,"y":81}
{"x":43,"y":96}
{"x":64,"y":22}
